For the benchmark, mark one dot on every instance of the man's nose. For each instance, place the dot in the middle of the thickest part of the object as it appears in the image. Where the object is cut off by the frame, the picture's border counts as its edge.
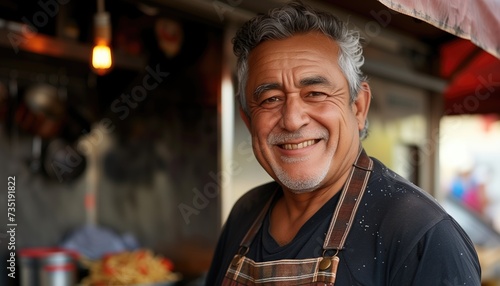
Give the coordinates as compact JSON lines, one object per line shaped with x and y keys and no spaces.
{"x":294,"y":114}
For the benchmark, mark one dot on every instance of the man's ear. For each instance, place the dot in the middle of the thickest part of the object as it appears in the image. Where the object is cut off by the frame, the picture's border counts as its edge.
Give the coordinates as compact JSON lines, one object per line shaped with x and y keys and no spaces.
{"x":245,"y":117}
{"x":362,"y":104}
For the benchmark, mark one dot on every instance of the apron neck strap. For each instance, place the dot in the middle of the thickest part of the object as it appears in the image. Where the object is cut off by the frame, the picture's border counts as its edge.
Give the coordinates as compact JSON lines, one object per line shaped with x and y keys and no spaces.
{"x":349,"y":201}
{"x":344,"y":212}
{"x":252,"y":232}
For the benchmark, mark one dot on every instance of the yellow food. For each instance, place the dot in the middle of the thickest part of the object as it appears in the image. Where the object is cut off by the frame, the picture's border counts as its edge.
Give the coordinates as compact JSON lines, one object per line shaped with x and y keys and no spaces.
{"x":129,"y":268}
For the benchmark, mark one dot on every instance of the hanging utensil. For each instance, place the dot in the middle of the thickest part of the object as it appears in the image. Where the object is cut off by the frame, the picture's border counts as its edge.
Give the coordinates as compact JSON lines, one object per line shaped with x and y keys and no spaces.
{"x":42,"y":111}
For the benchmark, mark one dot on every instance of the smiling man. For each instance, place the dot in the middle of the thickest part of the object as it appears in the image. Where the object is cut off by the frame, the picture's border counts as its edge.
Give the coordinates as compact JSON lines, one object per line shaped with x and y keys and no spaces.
{"x":333,"y":214}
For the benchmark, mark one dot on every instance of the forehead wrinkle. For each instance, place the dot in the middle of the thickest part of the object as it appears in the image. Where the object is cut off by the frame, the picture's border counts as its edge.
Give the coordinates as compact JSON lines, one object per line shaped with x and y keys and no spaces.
{"x":279,"y":56}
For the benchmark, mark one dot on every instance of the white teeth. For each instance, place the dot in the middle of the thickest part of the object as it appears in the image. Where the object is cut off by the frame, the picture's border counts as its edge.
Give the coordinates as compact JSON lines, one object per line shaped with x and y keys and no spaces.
{"x":298,"y":146}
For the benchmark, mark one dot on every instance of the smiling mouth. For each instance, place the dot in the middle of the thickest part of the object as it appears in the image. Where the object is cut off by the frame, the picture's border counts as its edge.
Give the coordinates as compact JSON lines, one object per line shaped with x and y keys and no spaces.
{"x":300,"y":145}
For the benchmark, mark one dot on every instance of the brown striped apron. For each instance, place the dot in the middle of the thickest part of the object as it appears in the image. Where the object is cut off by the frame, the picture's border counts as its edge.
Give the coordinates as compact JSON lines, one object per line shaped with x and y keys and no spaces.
{"x":311,"y":271}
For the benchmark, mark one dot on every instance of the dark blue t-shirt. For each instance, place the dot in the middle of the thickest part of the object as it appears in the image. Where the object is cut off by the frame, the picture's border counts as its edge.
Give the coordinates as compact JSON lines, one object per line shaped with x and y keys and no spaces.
{"x":400,"y":236}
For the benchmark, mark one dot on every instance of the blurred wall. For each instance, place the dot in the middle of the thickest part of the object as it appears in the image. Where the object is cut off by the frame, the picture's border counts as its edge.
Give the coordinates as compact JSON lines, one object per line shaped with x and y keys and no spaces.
{"x":142,"y":166}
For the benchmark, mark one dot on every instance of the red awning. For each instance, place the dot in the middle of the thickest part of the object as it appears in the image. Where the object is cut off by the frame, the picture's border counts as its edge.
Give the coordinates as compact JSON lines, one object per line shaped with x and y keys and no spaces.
{"x":474,"y":79}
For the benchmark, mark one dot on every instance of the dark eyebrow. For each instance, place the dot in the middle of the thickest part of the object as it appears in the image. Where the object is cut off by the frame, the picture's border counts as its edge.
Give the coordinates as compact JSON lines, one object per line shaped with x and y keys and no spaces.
{"x":263,"y":88}
{"x":314,"y":80}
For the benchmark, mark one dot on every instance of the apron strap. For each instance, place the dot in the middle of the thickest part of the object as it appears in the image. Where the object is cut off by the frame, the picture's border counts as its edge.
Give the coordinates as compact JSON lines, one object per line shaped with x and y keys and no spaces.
{"x":349,"y":201}
{"x":252,"y":232}
{"x":344,"y":212}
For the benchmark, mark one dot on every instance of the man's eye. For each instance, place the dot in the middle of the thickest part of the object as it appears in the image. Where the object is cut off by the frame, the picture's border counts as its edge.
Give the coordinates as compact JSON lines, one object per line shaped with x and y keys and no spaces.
{"x":315,"y":96}
{"x":316,"y":93}
{"x":270,"y":100}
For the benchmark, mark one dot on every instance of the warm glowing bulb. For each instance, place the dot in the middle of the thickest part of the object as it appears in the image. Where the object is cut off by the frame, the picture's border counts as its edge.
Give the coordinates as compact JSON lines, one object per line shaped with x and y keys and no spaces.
{"x":101,"y":57}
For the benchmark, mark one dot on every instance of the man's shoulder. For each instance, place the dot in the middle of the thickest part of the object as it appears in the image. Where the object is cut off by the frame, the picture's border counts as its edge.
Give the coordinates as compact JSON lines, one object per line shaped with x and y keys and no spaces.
{"x":401,"y":197}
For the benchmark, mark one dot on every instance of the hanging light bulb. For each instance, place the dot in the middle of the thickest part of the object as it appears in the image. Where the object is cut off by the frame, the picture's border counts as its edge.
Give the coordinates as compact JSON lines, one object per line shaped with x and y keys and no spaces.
{"x":102,"y":59}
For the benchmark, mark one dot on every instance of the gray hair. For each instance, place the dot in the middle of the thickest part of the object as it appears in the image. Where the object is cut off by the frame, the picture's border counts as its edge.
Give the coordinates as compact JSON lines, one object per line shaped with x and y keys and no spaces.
{"x":294,"y":18}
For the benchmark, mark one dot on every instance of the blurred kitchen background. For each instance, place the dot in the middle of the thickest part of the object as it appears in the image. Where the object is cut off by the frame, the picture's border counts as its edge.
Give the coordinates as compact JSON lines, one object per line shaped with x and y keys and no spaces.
{"x":151,"y":153}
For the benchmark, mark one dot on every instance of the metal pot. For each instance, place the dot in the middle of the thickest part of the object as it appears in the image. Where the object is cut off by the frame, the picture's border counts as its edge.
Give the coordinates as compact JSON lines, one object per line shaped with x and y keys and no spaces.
{"x":48,"y":267}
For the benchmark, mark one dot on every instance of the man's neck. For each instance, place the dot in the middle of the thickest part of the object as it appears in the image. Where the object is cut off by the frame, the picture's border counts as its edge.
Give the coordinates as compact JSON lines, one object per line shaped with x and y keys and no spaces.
{"x":293,"y":210}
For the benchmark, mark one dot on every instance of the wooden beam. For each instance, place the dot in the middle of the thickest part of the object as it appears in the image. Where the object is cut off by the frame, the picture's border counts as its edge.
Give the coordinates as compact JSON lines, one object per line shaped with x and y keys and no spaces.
{"x":63,"y":49}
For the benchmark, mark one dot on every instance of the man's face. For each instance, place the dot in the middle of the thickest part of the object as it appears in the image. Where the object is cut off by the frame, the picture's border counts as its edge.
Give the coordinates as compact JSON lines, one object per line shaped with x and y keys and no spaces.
{"x":305,"y":133}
